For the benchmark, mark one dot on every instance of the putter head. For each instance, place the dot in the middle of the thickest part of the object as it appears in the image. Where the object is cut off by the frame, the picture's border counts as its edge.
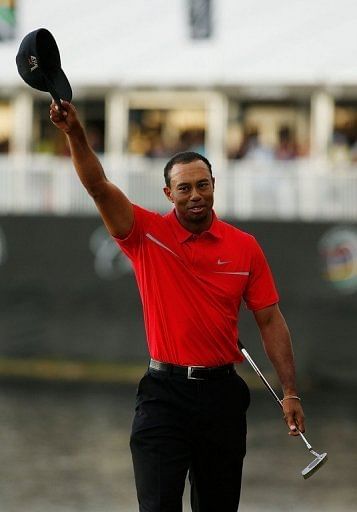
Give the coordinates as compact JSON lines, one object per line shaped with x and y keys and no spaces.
{"x":314,"y":465}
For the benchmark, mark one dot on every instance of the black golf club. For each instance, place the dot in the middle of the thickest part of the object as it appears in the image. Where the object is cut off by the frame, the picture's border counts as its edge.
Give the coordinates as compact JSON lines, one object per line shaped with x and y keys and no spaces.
{"x":320,"y":459}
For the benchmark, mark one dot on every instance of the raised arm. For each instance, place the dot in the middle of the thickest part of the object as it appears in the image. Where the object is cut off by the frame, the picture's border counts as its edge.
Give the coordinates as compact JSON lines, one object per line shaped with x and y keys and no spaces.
{"x":277,"y":343}
{"x":115,"y":208}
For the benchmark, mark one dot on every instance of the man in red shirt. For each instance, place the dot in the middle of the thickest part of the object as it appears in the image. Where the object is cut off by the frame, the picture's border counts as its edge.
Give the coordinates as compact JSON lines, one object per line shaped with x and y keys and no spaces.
{"x":192,"y":270}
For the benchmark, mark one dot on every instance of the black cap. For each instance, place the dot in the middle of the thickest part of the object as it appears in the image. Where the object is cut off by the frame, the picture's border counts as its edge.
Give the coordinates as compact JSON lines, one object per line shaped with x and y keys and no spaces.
{"x":39,"y":64}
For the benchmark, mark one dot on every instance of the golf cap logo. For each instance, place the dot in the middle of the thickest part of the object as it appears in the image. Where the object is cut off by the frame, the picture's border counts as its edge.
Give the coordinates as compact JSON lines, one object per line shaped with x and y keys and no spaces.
{"x":33,"y":63}
{"x":338,"y":251}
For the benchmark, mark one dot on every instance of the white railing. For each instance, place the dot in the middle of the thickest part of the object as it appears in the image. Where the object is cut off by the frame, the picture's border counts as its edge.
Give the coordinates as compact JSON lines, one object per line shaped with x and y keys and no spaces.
{"x":303,"y":189}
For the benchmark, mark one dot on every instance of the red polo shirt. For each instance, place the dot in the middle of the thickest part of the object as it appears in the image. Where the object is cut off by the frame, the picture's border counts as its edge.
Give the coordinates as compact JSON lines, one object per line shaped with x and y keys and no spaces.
{"x":191,"y":286}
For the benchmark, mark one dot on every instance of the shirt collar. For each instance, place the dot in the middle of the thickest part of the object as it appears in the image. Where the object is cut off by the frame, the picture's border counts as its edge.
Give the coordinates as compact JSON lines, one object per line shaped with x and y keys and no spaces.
{"x":183,"y":234}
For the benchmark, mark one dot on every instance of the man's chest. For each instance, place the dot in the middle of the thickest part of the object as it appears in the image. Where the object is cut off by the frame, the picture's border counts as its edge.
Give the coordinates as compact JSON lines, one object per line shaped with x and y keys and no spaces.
{"x":218,"y":264}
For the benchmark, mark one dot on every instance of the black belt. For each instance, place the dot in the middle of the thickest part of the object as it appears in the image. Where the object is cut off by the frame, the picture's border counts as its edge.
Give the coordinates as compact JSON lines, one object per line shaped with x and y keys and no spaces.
{"x":193,"y":372}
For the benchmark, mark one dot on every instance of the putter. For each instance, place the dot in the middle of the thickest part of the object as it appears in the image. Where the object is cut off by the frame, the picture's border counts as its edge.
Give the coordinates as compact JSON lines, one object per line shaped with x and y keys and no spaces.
{"x":320,"y":459}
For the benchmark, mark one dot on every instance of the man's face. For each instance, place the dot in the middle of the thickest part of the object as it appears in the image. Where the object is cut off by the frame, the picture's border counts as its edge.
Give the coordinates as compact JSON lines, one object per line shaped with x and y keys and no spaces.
{"x":191,"y":190}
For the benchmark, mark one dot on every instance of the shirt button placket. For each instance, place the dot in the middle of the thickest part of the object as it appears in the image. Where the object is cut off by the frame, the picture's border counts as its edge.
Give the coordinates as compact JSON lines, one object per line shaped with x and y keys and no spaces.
{"x":194,"y":239}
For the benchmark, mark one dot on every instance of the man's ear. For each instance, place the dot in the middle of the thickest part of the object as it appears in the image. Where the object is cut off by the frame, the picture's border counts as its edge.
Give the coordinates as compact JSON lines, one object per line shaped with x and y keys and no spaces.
{"x":167,"y":192}
{"x":213,"y":181}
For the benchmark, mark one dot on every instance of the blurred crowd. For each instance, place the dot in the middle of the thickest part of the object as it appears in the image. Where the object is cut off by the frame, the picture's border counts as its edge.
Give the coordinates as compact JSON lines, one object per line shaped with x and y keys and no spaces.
{"x":159,"y":133}
{"x":252,"y":148}
{"x":343,"y":146}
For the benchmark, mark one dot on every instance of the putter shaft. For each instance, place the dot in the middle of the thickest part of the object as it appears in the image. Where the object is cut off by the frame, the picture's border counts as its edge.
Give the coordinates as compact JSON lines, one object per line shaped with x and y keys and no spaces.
{"x":320,"y":458}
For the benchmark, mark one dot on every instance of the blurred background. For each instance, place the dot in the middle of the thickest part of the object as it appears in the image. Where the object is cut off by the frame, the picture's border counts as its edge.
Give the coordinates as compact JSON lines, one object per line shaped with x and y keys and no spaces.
{"x":267,"y":90}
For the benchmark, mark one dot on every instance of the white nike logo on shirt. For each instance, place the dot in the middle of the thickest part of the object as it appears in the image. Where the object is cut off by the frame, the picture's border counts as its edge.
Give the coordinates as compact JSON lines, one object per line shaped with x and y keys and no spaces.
{"x":220,"y":262}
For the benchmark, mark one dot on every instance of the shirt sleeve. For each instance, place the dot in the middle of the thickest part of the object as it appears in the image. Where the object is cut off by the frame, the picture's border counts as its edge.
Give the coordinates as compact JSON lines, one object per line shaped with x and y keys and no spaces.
{"x":133,"y":241}
{"x":260,"y":291}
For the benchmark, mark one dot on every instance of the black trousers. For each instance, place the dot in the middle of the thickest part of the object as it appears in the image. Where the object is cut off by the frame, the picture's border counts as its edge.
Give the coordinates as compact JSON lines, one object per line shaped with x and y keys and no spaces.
{"x":195,"y":426}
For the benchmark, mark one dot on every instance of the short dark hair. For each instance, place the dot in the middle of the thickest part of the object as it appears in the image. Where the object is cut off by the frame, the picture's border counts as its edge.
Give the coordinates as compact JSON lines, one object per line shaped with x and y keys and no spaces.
{"x":185,"y":157}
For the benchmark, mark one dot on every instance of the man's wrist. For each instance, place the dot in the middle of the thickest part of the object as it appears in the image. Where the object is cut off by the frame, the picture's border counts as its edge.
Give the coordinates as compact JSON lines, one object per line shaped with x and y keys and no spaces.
{"x":291,"y":397}
{"x":76,"y":132}
{"x":292,"y":391}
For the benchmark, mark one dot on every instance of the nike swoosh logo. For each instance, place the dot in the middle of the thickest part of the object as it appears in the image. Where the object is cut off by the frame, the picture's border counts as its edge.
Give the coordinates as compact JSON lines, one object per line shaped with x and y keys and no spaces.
{"x":220,"y":262}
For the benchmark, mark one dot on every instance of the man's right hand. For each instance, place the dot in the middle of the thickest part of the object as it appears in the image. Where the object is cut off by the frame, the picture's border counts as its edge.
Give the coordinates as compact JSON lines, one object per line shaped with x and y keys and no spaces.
{"x":64,"y":119}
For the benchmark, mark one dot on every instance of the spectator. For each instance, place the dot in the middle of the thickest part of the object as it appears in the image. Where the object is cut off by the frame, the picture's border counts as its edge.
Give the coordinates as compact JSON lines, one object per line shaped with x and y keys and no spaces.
{"x":339,"y":149}
{"x":191,"y":140}
{"x":4,"y":145}
{"x":252,"y":148}
{"x":286,"y":148}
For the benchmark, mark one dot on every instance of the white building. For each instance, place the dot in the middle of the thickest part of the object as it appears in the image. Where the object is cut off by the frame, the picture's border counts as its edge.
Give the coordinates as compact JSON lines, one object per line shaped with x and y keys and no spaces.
{"x":153,"y":76}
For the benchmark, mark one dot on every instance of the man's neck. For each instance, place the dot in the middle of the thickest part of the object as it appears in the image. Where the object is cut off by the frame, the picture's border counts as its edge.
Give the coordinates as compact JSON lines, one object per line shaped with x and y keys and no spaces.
{"x":196,"y":227}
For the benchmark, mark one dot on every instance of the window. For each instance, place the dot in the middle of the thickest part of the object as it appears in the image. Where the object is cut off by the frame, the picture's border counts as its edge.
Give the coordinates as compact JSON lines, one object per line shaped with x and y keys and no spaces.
{"x":344,"y":140}
{"x":268,"y":130}
{"x":156,"y":133}
{"x":5,"y":126}
{"x":47,"y":139}
{"x":7,"y":19}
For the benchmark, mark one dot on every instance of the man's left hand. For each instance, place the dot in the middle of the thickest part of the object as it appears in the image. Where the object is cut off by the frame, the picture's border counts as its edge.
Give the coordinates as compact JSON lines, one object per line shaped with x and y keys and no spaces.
{"x":293,"y":415}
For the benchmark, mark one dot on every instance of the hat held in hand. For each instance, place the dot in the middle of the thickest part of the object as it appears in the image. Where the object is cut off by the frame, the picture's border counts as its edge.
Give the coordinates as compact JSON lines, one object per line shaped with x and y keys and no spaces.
{"x":39,"y":64}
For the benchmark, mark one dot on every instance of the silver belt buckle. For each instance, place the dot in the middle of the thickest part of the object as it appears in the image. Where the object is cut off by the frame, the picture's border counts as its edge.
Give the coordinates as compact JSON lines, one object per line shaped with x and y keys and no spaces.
{"x":190,"y":370}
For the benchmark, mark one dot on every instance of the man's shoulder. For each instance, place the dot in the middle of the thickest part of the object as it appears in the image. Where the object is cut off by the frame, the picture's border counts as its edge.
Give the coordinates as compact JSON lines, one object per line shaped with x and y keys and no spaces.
{"x":145,"y":221}
{"x":142,"y":213}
